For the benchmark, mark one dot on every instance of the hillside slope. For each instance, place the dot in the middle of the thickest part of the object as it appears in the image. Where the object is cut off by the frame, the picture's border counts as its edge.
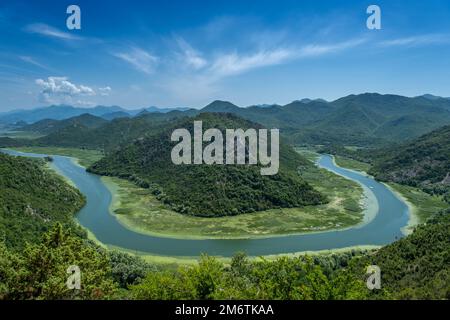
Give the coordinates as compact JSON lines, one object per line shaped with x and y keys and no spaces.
{"x":424,"y":162}
{"x":209,"y":190}
{"x":48,"y":126}
{"x":32,"y":199}
{"x":366,"y":119}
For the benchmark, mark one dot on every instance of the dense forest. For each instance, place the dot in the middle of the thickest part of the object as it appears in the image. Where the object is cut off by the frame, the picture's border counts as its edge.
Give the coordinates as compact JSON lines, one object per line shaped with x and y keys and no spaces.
{"x":423,"y":162}
{"x":32,"y":199}
{"x":210,"y":190}
{"x":416,"y":267}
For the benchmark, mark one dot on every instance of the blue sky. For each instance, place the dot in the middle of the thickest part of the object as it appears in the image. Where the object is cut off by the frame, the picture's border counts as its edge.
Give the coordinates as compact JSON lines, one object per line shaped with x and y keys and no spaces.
{"x":188,"y":53}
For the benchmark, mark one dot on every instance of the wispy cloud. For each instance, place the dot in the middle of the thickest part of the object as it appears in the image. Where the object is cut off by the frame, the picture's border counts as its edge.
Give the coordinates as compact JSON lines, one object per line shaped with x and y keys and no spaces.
{"x":140,"y":59}
{"x":33,"y":61}
{"x":48,"y":31}
{"x":205,"y":82}
{"x":190,"y":56}
{"x":232,"y":64}
{"x":417,"y":40}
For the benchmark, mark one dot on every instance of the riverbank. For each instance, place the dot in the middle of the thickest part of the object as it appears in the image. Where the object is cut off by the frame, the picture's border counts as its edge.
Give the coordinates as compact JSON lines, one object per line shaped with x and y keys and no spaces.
{"x":421,"y":205}
{"x":83,"y":157}
{"x":96,"y":217}
{"x":168,"y":262}
{"x":138,"y":210}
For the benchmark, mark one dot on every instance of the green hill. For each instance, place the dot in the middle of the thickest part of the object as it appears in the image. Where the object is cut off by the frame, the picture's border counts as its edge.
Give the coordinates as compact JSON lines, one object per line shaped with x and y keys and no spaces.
{"x":109,"y":135}
{"x":32,"y":199}
{"x":209,"y":190}
{"x":415,"y":267}
{"x":47,"y":126}
{"x":424,"y":162}
{"x":366,"y":119}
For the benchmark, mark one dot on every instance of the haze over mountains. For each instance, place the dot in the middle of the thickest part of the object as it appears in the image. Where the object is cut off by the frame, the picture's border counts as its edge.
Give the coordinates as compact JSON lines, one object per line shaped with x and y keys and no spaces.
{"x":62,"y":112}
{"x":368,"y":119}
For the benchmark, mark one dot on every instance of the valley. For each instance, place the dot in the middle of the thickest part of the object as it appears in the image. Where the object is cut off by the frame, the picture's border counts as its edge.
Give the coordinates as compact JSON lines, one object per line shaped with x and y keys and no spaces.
{"x":142,"y":209}
{"x":97,"y":218}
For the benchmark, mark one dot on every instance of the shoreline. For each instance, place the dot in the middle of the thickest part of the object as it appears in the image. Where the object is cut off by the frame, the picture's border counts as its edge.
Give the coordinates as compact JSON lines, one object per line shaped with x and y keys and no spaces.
{"x":370,"y":209}
{"x":112,"y":187}
{"x":413,"y":218}
{"x":188,"y":260}
{"x":177,"y":259}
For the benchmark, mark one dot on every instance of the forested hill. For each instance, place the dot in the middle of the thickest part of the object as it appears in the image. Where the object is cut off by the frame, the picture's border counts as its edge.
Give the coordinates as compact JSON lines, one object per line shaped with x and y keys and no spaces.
{"x":366,"y":119}
{"x":32,"y":199}
{"x":209,"y":190}
{"x":109,"y":135}
{"x":47,"y":126}
{"x":425,"y":162}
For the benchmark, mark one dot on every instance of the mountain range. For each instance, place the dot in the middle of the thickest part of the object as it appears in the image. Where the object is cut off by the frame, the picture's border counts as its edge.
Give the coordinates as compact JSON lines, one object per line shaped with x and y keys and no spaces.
{"x":366,"y":120}
{"x":61,"y":112}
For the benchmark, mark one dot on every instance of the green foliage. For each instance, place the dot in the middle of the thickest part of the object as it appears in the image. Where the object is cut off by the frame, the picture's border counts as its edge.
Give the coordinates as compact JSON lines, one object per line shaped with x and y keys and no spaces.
{"x":366,"y":120}
{"x":415,"y":267}
{"x":423,"y":163}
{"x":127,"y":269}
{"x":206,"y":190}
{"x":110,"y":135}
{"x":40,"y":271}
{"x":283,"y":279}
{"x":32,"y":199}
{"x":47,"y":126}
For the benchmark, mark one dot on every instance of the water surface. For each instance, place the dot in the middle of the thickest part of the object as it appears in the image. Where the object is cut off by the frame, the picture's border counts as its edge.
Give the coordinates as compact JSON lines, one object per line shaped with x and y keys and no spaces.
{"x":383,"y":228}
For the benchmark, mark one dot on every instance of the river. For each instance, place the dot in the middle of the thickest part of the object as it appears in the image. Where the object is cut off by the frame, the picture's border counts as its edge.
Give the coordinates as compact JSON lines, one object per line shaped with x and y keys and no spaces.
{"x":383,"y":228}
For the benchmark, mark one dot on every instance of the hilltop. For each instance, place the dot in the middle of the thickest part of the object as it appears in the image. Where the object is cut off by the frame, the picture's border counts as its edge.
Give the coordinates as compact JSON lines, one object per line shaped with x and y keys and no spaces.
{"x":369,"y":119}
{"x":209,"y":190}
{"x":48,"y":126}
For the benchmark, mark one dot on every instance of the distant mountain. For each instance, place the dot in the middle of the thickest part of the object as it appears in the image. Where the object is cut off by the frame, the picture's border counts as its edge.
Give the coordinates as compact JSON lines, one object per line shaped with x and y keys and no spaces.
{"x":48,"y":126}
{"x":165,"y":110}
{"x":55,"y":113}
{"x":115,"y":115}
{"x":221,"y":106}
{"x":110,"y":134}
{"x":62,"y":112}
{"x":209,"y":190}
{"x":368,"y":119}
{"x":432,"y":97}
{"x":365,"y":119}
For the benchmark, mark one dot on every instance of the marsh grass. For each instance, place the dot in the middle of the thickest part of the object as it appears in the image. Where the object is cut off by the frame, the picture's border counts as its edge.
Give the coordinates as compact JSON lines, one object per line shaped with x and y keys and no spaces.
{"x":140,"y":211}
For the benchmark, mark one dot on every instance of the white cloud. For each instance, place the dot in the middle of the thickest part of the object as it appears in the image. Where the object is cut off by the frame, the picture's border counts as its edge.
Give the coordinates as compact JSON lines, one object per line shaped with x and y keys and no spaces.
{"x":105,"y":91}
{"x":417,"y":40}
{"x":140,"y":59}
{"x":204,"y":83}
{"x":232,"y":64}
{"x":190,"y":56}
{"x":48,"y":31}
{"x":61,"y":90}
{"x":312,"y":50}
